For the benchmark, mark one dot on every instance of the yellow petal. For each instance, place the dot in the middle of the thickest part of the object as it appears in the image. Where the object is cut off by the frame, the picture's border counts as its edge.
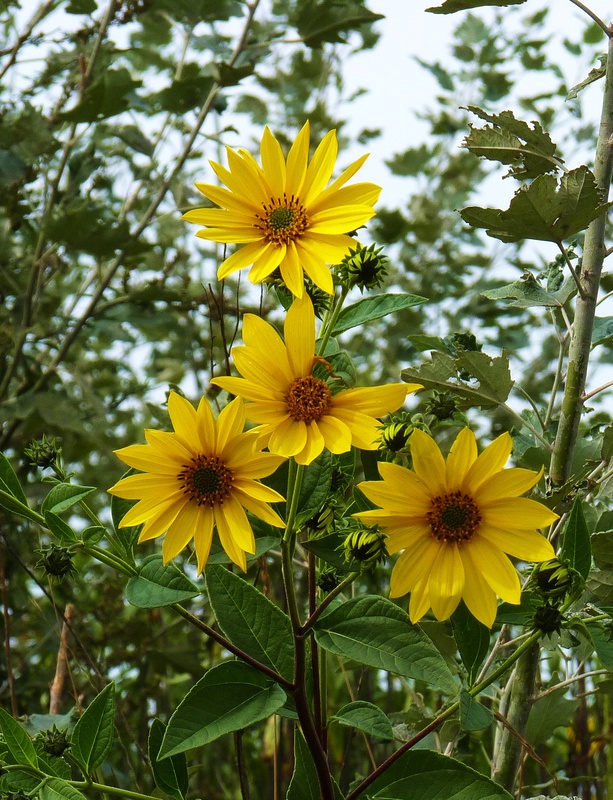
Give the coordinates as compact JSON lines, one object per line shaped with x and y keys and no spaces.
{"x":340,"y":220}
{"x":461,"y":457}
{"x":184,"y":419}
{"x":358,"y":194}
{"x":291,"y":271}
{"x":152,"y":507}
{"x":446,"y":582}
{"x":288,"y":438}
{"x":337,"y":436}
{"x":491,"y":460}
{"x":332,"y":248}
{"x":376,"y":401}
{"x":261,"y":510}
{"x":364,"y":429}
{"x":230,"y":422}
{"x":313,"y":447}
{"x":267,"y":262}
{"x":146,"y":459}
{"x":479,"y":597}
{"x":428,"y":462}
{"x":262,"y":370}
{"x":315,"y":266}
{"x":300,"y":336}
{"x":206,"y":426}
{"x":405,"y":483}
{"x":495,"y":568}
{"x":241,"y":258}
{"x":180,"y":533}
{"x":273,"y":162}
{"x":235,"y":235}
{"x":320,"y":169}
{"x":147,"y":486}
{"x":226,"y":199}
{"x":517,"y":513}
{"x":414,"y":566}
{"x":420,"y":601}
{"x":527,"y":544}
{"x":262,"y":337}
{"x":203,"y":536}
{"x":297,"y":162}
{"x":257,"y":490}
{"x":507,"y":483}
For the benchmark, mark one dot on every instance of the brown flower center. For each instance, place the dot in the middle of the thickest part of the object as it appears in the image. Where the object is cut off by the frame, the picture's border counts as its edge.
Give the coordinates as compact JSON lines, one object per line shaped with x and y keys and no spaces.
{"x":282,"y":220}
{"x":454,"y":517}
{"x":308,"y":399}
{"x":206,"y":480}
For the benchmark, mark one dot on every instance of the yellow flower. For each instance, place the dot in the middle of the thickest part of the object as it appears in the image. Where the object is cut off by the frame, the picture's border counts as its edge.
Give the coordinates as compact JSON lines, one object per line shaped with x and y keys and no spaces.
{"x":203,"y":474}
{"x":283,"y":213}
{"x":455,"y":521}
{"x":297,"y":413}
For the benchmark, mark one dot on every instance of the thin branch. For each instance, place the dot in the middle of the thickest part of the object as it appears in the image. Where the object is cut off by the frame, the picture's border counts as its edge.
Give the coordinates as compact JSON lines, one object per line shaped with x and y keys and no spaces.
{"x":594,"y":16}
{"x":597,"y":391}
{"x":39,"y":15}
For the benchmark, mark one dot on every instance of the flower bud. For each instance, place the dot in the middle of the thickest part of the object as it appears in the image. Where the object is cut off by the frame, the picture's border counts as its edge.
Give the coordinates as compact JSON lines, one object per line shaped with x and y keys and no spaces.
{"x":363,"y":267}
{"x":548,"y":619}
{"x":328,"y":580}
{"x":366,"y":546}
{"x":43,"y":452}
{"x":57,"y":562}
{"x":552,"y":578}
{"x":54,"y":741}
{"x":442,"y":405}
{"x":395,"y":435}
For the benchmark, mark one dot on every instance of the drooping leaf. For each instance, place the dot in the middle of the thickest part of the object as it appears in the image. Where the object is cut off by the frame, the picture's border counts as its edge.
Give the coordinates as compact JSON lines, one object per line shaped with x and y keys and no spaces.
{"x":157,"y":585}
{"x":576,"y":548}
{"x":543,"y":210}
{"x":17,"y":740}
{"x":250,"y":621}
{"x":528,"y":293}
{"x":593,"y":75}
{"x":231,"y":696}
{"x":64,"y":496}
{"x":170,"y":775}
{"x":365,"y":717}
{"x":512,"y":141}
{"x":473,"y":715}
{"x":372,"y":630}
{"x":92,"y":736}
{"x":472,"y":638}
{"x":426,"y":775}
{"x":451,"y":6}
{"x":370,"y":308}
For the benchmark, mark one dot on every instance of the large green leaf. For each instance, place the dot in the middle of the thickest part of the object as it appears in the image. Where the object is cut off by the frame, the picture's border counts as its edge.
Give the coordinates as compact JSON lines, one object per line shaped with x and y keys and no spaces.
{"x":304,"y":784}
{"x":17,"y":740}
{"x":370,"y":308}
{"x":451,"y":6}
{"x":372,"y":630}
{"x":576,"y":548}
{"x":543,"y":210}
{"x":10,"y":480}
{"x":472,"y":638}
{"x":365,"y":717}
{"x":426,"y":775}
{"x":170,"y":775}
{"x":157,"y":585}
{"x":548,"y":713}
{"x":228,"y":698}
{"x":320,"y":21}
{"x":63,"y":496}
{"x":92,"y":736}
{"x":57,"y":789}
{"x":250,"y":621}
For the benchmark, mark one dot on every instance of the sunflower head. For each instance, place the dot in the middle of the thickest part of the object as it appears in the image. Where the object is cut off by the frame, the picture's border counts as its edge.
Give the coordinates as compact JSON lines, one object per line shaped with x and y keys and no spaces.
{"x":201,"y":476}
{"x":284,"y":213}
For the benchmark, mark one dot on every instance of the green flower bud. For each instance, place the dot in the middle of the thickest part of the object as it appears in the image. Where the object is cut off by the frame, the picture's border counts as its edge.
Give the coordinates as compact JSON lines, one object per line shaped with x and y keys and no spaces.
{"x":54,"y":741}
{"x":328,"y":580}
{"x":552,"y":578}
{"x":57,"y":562}
{"x":395,"y":434}
{"x":366,"y":546}
{"x":548,"y":619}
{"x":43,"y":452}
{"x":321,"y":523}
{"x":442,"y":405}
{"x":363,"y":267}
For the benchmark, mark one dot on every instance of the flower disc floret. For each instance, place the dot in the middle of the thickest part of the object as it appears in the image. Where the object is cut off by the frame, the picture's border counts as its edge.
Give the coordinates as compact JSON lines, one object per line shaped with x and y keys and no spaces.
{"x":203,"y":475}
{"x":296,"y":412}
{"x":455,"y":523}
{"x":283,"y":214}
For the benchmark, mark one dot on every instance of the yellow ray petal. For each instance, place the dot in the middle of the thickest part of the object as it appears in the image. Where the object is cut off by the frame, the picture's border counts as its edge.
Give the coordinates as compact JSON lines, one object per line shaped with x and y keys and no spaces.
{"x":491,"y":460}
{"x":376,"y":401}
{"x":406,"y":502}
{"x":206,"y":426}
{"x":158,"y":518}
{"x":262,"y":337}
{"x":315,"y":267}
{"x":152,"y":507}
{"x":337,"y":436}
{"x":169,"y":444}
{"x":147,"y":486}
{"x":461,"y":457}
{"x":184,"y":419}
{"x":517,"y":513}
{"x":300,"y":336}
{"x":273,"y":162}
{"x":257,"y":490}
{"x":414,"y":566}
{"x":203,"y":536}
{"x":428,"y":462}
{"x":496,"y":568}
{"x":446,"y":581}
{"x":313,"y":447}
{"x":243,"y":388}
{"x":507,"y":483}
{"x":180,"y":532}
{"x":420,"y":601}
{"x":236,"y":235}
{"x":320,"y":169}
{"x":404,"y":482}
{"x":146,"y":459}
{"x":229,"y":536}
{"x":479,"y":597}
{"x":332,"y":248}
{"x":220,"y":218}
{"x":340,"y":220}
{"x":230,"y":422}
{"x":291,"y":271}
{"x":288,"y":438}
{"x":267,"y":262}
{"x":358,"y":194}
{"x":241,"y":258}
{"x":297,"y":162}
{"x":403,"y":536}
{"x":527,"y":544}
{"x":259,"y":465}
{"x":342,"y":179}
{"x":364,"y":429}
{"x":226,"y":199}
{"x":261,"y":510}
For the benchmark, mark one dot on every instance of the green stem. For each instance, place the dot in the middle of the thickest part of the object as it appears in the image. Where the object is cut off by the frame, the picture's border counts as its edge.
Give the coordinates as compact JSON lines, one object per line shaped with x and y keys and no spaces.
{"x":109,"y":559}
{"x":504,"y":667}
{"x":97,"y":787}
{"x":328,"y":599}
{"x":329,"y":323}
{"x":589,"y":279}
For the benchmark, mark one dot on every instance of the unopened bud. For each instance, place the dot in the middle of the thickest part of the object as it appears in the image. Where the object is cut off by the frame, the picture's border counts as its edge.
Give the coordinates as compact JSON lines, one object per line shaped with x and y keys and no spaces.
{"x":366,"y":546}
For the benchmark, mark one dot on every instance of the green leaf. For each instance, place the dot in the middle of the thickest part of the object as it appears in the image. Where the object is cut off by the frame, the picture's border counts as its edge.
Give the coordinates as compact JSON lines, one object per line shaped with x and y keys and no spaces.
{"x":426,"y":775}
{"x":329,"y":548}
{"x":320,"y":21}
{"x":529,"y":150}
{"x":10,"y":480}
{"x":593,"y":75}
{"x":603,"y":330}
{"x":59,"y":528}
{"x":157,"y":585}
{"x":92,"y":736}
{"x":370,"y":308}
{"x":602,"y":549}
{"x":304,"y":784}
{"x":441,"y":372}
{"x":472,"y":638}
{"x":548,"y":713}
{"x":18,"y":781}
{"x":57,"y":789}
{"x":374,"y":631}
{"x":262,"y":545}
{"x":93,"y":534}
{"x":473,"y":715}
{"x":451,"y":6}
{"x":109,"y":93}
{"x":228,"y":698}
{"x":315,"y":487}
{"x":543,"y":210}
{"x":126,"y":538}
{"x":576,"y":548}
{"x":17,"y":740}
{"x":170,"y":775}
{"x":365,"y":717}
{"x":528,"y":293}
{"x":187,"y":92}
{"x":10,"y":503}
{"x":250,"y":621}
{"x":232,"y":76}
{"x":64,"y":496}
{"x":81,"y":7}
